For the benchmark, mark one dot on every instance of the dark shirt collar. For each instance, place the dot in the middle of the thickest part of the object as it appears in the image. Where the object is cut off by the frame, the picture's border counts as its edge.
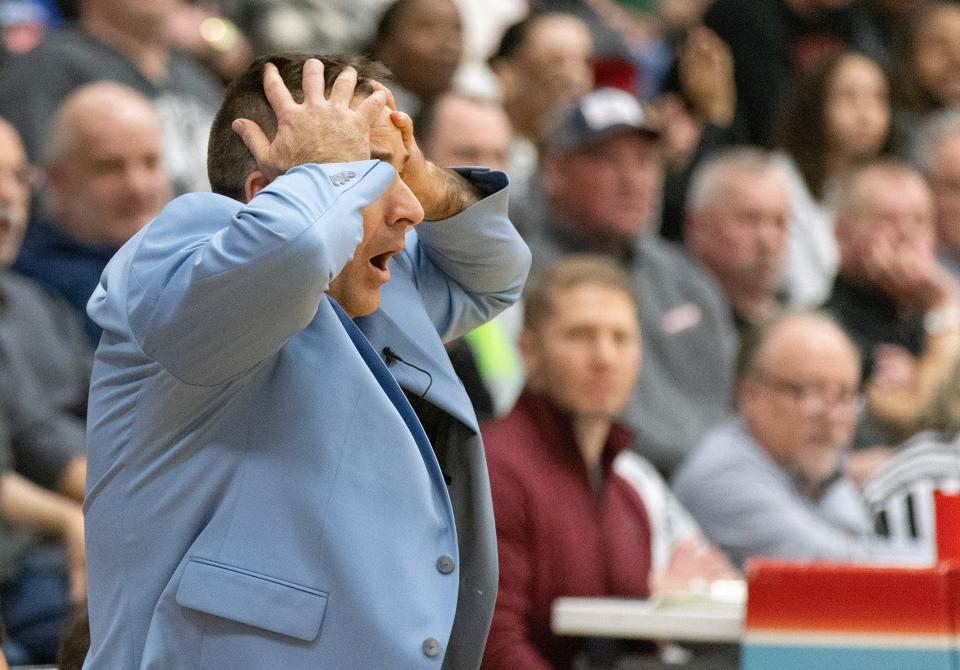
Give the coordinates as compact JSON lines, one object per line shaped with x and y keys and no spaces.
{"x":850,"y":294}
{"x":42,"y":232}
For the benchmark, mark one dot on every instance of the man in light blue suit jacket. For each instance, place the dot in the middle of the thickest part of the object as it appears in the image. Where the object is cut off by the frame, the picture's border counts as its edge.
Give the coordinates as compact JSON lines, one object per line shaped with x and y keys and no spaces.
{"x":261,"y":493}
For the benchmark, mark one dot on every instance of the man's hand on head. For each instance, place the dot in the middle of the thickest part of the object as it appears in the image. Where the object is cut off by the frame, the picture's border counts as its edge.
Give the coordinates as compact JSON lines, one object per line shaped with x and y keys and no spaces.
{"x":442,"y":193}
{"x":318,"y":130}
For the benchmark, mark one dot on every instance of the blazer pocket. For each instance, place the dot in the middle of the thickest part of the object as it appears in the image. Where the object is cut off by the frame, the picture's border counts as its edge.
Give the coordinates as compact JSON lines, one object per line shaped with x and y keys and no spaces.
{"x":252,"y":598}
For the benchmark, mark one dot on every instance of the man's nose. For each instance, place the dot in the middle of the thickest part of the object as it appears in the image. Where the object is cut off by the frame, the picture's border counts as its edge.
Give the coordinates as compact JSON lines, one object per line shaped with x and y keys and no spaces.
{"x":605,"y":351}
{"x":403,"y":208}
{"x":141,"y":179}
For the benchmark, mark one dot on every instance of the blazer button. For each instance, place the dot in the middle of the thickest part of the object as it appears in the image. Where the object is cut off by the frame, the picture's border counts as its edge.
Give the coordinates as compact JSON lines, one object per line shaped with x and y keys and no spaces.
{"x":445,"y":565}
{"x":431,"y":647}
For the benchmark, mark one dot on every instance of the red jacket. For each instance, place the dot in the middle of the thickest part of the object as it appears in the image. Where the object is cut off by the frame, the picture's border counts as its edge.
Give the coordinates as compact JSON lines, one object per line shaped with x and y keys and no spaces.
{"x":557,"y":536}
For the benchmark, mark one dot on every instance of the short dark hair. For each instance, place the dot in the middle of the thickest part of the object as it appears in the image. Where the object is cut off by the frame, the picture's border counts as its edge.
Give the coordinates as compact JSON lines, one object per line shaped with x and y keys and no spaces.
{"x":570,"y":272}
{"x":228,"y":159}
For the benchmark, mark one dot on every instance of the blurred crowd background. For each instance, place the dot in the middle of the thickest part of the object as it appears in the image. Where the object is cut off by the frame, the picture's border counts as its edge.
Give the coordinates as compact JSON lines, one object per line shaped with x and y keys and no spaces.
{"x":778,"y":179}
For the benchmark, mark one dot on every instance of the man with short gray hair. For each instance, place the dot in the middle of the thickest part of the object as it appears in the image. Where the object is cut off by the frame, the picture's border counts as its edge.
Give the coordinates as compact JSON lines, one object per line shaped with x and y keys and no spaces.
{"x":736,"y":225}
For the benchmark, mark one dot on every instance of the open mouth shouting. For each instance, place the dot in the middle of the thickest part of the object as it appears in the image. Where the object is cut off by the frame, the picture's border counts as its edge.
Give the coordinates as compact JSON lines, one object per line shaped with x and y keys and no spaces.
{"x":380,"y":264}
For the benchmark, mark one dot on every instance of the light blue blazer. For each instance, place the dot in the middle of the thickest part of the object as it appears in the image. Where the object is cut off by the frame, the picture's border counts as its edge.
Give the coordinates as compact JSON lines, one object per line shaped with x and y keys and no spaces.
{"x":259,"y":491}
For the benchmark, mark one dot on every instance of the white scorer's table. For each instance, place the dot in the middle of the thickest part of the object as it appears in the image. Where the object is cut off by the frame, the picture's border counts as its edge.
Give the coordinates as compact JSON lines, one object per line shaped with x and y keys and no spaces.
{"x":692,"y":620}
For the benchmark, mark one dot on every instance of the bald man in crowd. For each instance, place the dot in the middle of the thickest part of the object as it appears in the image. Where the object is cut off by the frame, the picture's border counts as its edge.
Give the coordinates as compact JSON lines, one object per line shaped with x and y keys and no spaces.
{"x":461,"y":129}
{"x":772,"y":480}
{"x":105,"y":181}
{"x":456,"y":130}
{"x":126,"y":41}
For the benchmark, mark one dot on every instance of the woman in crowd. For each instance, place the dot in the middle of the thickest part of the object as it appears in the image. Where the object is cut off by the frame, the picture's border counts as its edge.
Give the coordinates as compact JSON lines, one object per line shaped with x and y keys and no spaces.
{"x":834,"y":118}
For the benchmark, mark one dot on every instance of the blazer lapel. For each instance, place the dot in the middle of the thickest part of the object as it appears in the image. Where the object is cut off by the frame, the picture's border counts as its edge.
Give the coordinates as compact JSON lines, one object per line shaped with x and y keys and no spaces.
{"x":393,"y":391}
{"x":445,"y":390}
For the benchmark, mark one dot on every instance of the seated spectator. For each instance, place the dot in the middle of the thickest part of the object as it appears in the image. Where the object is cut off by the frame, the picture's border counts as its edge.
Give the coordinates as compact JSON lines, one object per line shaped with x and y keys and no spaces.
{"x":458,"y":130}
{"x":542,"y":64}
{"x":44,"y":372}
{"x":771,"y":480}
{"x":42,"y":347}
{"x":577,"y":512}
{"x":124,"y":41}
{"x":105,"y":181}
{"x":936,"y":152}
{"x":421,"y":41}
{"x":601,"y":176}
{"x":897,"y":303}
{"x":736,"y":225}
{"x":834,"y":118}
{"x":927,"y":76}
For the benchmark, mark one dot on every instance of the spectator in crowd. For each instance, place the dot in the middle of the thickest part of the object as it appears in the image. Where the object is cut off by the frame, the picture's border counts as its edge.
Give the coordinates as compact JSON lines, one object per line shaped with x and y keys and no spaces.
{"x":44,"y":371}
{"x":889,"y":278}
{"x":771,"y":481}
{"x":736,"y":225}
{"x":105,"y":181}
{"x":774,"y":40}
{"x":897,"y":303}
{"x":578,"y":513}
{"x":124,"y":41}
{"x":458,"y":130}
{"x":421,"y":41}
{"x":937,"y":153}
{"x":542,"y":64}
{"x":928,"y":78}
{"x":42,"y":347}
{"x":835,"y":118}
{"x":601,"y":175}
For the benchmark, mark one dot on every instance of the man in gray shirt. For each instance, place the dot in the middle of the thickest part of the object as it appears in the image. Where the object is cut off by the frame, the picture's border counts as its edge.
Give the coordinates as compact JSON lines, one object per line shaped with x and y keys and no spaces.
{"x":771,"y":481}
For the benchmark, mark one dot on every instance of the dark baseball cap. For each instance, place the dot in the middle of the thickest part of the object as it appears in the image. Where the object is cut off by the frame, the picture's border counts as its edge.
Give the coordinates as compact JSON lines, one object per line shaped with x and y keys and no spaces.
{"x":595,"y":117}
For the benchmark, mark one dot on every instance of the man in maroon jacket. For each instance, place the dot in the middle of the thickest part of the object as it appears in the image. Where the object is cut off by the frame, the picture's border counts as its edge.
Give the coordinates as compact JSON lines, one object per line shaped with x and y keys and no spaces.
{"x":577,"y":512}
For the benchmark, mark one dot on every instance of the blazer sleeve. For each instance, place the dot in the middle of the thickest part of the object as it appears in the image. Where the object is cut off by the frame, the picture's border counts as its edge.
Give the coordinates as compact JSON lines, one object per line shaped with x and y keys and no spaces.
{"x":211,"y":306}
{"x":472,"y":266}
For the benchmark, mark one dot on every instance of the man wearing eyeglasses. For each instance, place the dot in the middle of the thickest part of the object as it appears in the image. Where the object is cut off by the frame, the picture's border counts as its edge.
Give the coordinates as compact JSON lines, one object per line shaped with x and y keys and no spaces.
{"x":771,"y":481}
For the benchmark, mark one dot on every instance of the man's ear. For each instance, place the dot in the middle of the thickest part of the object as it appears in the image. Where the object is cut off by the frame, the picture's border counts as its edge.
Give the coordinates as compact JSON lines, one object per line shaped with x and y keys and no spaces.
{"x":253,"y":184}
